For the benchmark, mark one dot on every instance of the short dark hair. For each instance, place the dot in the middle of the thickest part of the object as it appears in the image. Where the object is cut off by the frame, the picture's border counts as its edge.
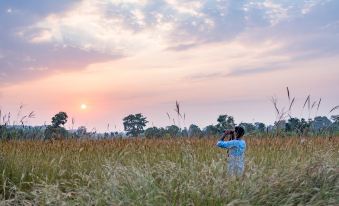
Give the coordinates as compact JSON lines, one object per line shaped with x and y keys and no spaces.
{"x":240,"y":132}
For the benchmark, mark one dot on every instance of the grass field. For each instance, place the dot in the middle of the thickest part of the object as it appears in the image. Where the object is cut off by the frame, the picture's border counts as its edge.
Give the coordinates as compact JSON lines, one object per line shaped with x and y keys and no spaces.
{"x":279,"y":171}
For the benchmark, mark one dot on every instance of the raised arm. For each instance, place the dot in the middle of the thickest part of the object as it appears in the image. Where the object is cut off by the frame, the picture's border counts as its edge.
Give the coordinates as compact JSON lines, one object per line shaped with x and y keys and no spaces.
{"x":223,"y":136}
{"x":227,"y":144}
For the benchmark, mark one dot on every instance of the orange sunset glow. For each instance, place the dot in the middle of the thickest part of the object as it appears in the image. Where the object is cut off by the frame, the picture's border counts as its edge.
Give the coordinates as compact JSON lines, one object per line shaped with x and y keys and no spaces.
{"x":100,"y":62}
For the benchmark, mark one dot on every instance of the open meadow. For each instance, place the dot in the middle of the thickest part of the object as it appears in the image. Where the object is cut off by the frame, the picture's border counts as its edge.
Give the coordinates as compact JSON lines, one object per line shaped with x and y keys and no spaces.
{"x":191,"y":171}
{"x":169,"y":102}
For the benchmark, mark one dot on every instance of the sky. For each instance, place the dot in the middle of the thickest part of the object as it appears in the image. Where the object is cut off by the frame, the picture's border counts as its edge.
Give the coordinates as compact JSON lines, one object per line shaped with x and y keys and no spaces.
{"x":101,"y":60}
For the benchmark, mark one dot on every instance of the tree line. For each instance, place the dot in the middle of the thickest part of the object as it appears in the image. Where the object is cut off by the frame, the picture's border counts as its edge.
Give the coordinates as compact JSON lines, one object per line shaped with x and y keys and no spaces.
{"x":135,"y":125}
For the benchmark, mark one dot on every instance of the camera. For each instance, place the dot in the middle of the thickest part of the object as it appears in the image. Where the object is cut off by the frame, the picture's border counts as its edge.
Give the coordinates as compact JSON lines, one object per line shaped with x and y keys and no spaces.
{"x":229,"y":132}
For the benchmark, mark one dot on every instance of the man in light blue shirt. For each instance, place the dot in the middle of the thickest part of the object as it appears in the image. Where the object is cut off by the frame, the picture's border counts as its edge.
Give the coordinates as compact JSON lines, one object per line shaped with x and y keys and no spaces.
{"x":236,"y":150}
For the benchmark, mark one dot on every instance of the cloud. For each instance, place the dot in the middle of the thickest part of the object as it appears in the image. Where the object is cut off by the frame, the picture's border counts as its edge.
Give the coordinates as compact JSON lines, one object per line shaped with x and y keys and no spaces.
{"x":111,"y":27}
{"x":233,"y":73}
{"x":310,"y":5}
{"x":44,"y":38}
{"x":22,"y":65}
{"x":252,"y":71}
{"x":22,"y":60}
{"x":204,"y":76}
{"x":182,"y":47}
{"x":129,"y":27}
{"x":192,"y":8}
{"x":40,"y":69}
{"x":36,"y":7}
{"x":273,"y":12}
{"x":90,"y":26}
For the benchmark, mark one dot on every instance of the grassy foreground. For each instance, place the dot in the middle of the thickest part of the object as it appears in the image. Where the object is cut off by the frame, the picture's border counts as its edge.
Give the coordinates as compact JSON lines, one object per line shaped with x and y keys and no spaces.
{"x":280,"y":171}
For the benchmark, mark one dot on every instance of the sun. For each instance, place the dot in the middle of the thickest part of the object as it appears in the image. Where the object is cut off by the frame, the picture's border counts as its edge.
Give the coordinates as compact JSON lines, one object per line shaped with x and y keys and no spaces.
{"x":83,"y":106}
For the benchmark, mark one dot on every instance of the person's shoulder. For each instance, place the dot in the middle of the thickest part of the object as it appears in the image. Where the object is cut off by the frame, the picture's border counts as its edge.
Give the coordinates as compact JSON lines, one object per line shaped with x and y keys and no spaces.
{"x":242,"y":141}
{"x":238,"y":141}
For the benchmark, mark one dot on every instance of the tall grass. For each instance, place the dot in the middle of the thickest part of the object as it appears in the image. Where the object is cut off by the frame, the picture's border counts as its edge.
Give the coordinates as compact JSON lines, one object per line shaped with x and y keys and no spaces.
{"x":168,"y":172}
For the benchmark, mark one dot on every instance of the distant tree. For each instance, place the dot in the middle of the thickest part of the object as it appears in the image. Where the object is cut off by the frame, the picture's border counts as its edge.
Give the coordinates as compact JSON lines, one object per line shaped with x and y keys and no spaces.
{"x":335,"y":118}
{"x":81,"y":131}
{"x":260,"y":127}
{"x":304,"y":127}
{"x":335,"y":124}
{"x":107,"y":135}
{"x":56,"y":131}
{"x":320,"y":123}
{"x":154,"y":132}
{"x":173,"y":130}
{"x":134,"y":124}
{"x":194,"y":131}
{"x":249,"y":128}
{"x":118,"y":134}
{"x":59,"y":119}
{"x":114,"y":134}
{"x":151,"y":132}
{"x":293,"y":125}
{"x":210,"y":130}
{"x":184,"y":132}
{"x":270,"y":128}
{"x":225,"y":122}
{"x":280,"y":126}
{"x":298,"y":126}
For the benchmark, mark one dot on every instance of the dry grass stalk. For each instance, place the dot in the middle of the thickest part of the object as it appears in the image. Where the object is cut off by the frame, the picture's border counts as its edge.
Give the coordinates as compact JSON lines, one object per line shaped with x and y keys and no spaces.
{"x":291,"y":104}
{"x":177,"y":108}
{"x":274,"y":101}
{"x":334,"y":108}
{"x":307,"y":100}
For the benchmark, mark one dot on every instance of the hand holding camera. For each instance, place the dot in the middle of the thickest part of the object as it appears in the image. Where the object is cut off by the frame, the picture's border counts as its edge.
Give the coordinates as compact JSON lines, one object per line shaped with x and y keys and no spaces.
{"x":231,"y":134}
{"x":228,"y":132}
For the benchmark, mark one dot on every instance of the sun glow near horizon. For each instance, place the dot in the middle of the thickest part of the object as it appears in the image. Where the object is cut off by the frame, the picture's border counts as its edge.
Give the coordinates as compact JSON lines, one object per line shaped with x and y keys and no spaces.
{"x":83,"y":106}
{"x":213,"y":57}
